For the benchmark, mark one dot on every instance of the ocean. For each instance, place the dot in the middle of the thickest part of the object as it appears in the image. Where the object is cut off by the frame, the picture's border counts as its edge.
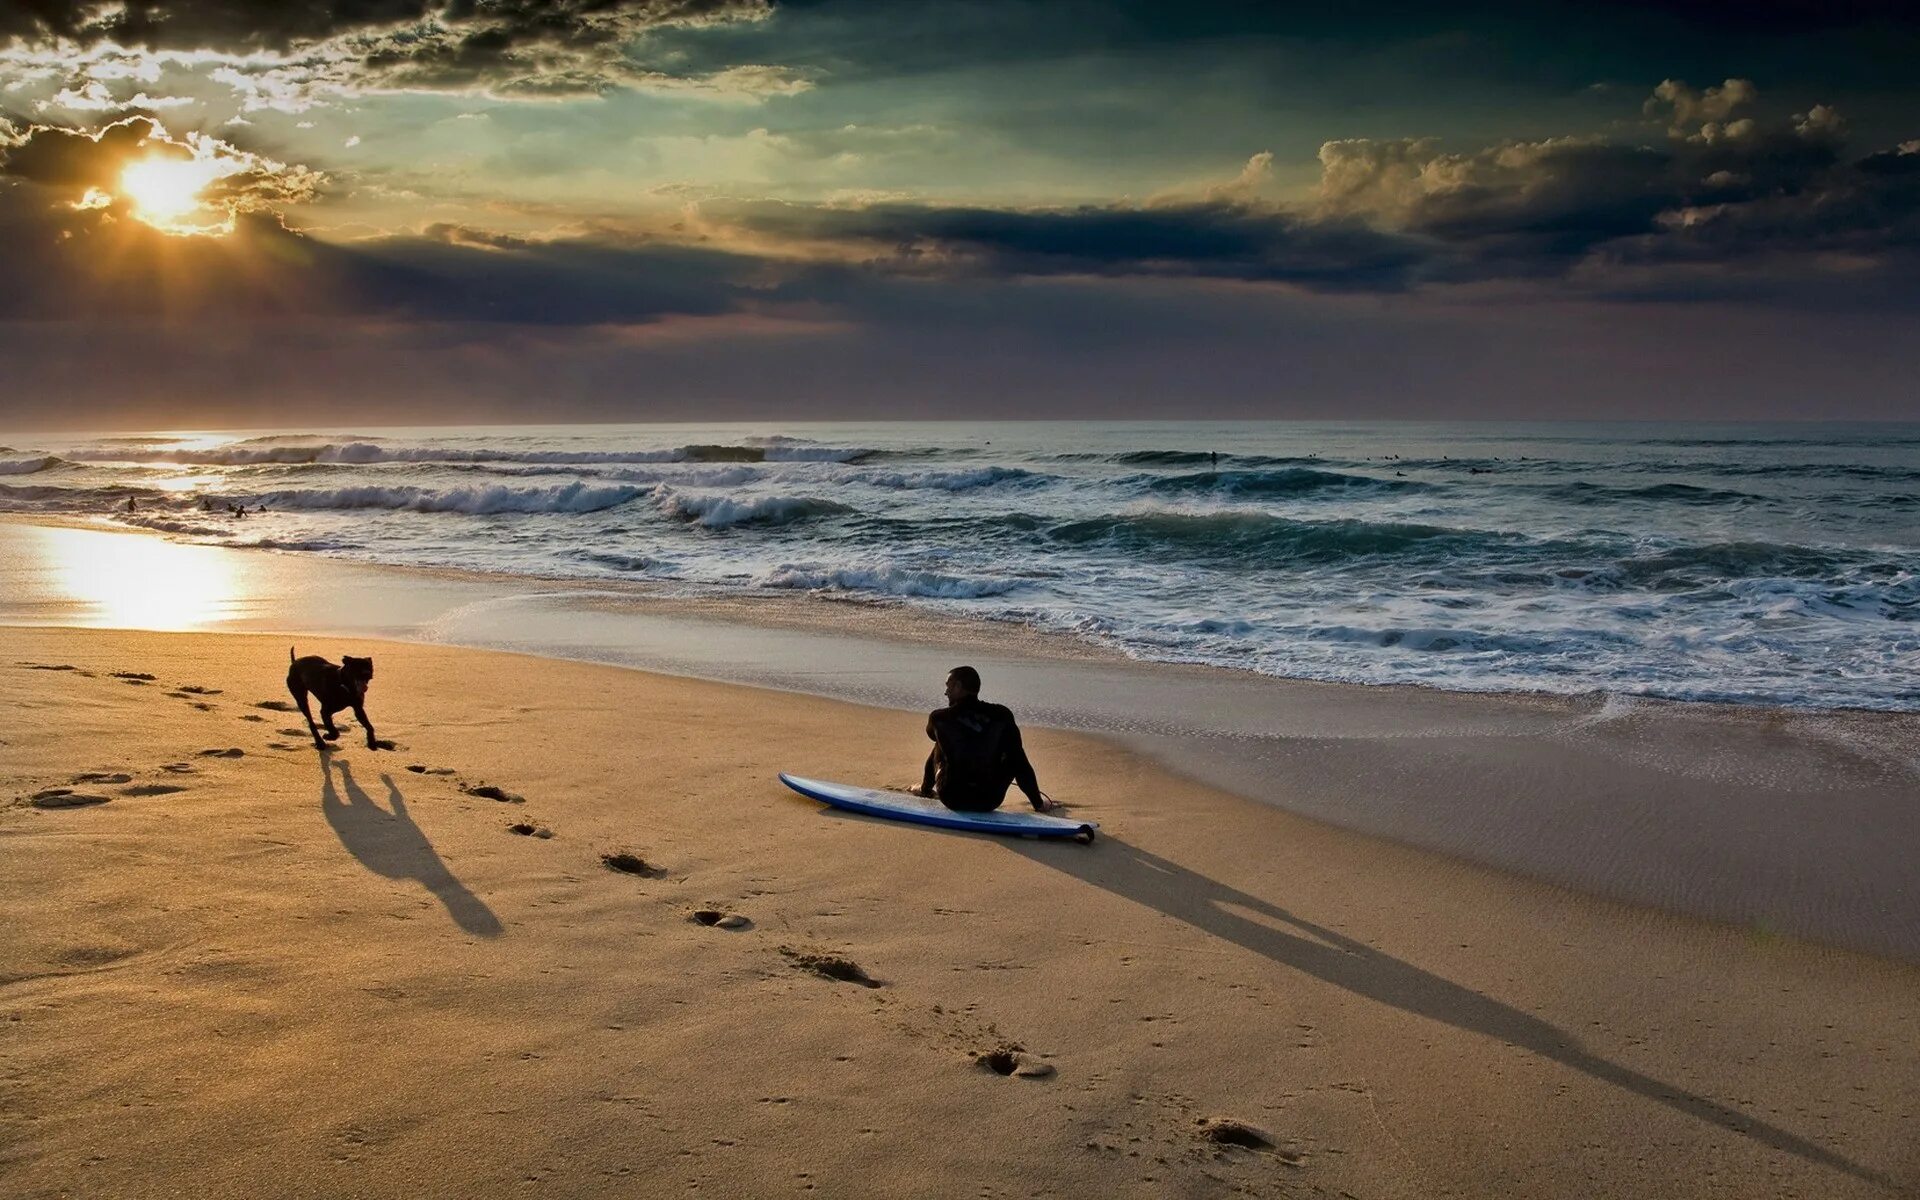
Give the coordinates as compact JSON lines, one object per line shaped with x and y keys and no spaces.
{"x":1769,"y":564}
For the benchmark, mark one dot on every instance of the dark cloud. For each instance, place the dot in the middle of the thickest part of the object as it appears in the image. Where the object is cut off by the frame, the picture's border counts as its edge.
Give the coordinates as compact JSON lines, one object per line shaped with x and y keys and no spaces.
{"x":982,"y":349}
{"x":197,"y":25}
{"x":76,"y":159}
{"x":1217,"y":240}
{"x":537,"y":47}
{"x":1593,"y":213}
{"x":68,"y":167}
{"x":467,"y":235}
{"x":1720,"y":186}
{"x":505,"y":47}
{"x":64,"y":263}
{"x":482,"y":27}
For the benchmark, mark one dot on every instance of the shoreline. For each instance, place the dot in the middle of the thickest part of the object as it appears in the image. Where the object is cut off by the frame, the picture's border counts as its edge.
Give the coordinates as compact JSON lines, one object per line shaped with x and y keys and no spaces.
{"x":1770,"y":819}
{"x":895,"y":619}
{"x":313,"y":952}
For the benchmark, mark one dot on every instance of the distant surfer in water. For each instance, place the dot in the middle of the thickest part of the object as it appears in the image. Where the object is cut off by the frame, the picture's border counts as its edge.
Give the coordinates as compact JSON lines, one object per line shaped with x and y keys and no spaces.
{"x":977,"y":752}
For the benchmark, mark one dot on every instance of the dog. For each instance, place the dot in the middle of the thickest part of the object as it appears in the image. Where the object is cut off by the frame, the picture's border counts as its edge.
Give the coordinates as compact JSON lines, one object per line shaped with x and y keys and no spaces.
{"x":344,"y":686}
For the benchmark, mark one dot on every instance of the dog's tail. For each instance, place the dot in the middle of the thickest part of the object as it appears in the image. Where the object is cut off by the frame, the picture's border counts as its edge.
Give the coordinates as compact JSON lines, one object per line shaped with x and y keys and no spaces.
{"x":289,"y":655}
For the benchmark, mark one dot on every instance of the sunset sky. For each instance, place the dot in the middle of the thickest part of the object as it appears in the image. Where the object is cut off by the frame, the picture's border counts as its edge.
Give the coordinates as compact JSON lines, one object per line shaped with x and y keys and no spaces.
{"x":538,"y":210}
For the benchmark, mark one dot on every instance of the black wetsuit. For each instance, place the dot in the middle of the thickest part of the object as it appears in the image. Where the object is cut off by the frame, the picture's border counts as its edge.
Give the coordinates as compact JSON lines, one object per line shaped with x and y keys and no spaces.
{"x":976,"y":756}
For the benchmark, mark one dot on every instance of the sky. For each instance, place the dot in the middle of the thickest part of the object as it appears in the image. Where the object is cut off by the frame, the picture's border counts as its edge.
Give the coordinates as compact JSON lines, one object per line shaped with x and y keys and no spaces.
{"x":326,"y":212}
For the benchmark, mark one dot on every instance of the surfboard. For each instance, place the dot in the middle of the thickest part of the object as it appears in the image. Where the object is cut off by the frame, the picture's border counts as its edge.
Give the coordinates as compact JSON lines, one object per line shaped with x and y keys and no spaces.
{"x":919,"y":810}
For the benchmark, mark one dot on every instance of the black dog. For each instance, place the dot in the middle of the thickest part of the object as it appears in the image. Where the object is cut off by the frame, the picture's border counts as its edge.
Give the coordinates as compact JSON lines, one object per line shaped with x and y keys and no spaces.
{"x":344,"y":686}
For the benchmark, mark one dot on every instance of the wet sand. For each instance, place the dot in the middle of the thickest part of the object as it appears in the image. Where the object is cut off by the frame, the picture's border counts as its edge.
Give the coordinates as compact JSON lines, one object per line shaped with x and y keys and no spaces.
{"x":235,"y":965}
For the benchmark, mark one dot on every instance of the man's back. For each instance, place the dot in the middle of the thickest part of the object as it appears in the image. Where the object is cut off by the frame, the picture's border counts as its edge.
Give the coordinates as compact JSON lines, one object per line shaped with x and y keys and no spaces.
{"x":978,"y":742}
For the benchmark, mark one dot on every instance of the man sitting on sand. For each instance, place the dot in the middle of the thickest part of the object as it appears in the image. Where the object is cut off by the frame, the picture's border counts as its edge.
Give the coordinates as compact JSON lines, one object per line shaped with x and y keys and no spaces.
{"x":976,"y":751}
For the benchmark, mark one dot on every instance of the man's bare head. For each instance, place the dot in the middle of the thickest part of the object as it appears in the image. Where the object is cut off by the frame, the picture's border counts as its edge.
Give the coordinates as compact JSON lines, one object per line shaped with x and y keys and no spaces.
{"x":963,"y":683}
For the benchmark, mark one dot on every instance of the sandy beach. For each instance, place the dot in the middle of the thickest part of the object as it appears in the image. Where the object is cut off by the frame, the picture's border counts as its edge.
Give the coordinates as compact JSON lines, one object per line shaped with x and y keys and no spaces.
{"x":1437,"y":488}
{"x":238,"y":967}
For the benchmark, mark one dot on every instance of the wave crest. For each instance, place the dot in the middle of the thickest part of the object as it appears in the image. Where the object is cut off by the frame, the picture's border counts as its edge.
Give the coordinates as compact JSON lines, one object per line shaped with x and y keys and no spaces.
{"x":478,"y":501}
{"x":1256,"y":538}
{"x":32,"y":466}
{"x":888,"y":581}
{"x":724,"y":512}
{"x":1285,"y":481}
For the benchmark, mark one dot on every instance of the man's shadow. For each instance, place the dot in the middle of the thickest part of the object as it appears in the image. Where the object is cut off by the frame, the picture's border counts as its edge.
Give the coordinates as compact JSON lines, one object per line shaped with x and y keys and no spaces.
{"x":1273,"y":932}
{"x":388,"y":843}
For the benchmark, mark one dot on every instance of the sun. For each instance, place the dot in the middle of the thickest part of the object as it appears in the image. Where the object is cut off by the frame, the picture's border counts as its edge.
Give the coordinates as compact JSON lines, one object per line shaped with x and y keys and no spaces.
{"x":167,"y":194}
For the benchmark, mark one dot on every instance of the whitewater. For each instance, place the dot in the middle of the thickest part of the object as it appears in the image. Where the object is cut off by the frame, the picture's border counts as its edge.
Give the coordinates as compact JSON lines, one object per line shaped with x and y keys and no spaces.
{"x":1772,"y":564}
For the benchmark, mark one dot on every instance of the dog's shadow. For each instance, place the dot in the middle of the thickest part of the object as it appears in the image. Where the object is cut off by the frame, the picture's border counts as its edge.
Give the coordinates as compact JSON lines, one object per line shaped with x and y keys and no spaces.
{"x":387,"y":842}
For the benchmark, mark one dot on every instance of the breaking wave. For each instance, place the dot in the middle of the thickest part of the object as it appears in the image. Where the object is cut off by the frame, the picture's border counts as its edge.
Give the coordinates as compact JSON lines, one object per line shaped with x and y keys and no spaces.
{"x":723,"y":512}
{"x":886,"y":581}
{"x":1287,"y":481}
{"x":32,"y":466}
{"x":476,"y":501}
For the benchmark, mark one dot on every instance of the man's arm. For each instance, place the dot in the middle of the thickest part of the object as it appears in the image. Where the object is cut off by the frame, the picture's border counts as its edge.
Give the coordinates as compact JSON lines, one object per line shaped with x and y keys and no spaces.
{"x":1023,"y":774}
{"x":933,"y":761}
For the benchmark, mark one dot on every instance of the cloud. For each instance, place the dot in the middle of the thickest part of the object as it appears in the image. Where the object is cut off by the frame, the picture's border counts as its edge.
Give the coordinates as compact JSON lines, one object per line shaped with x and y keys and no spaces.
{"x":1688,"y":110}
{"x":292,"y":56}
{"x":75,"y":159}
{"x":68,"y":168}
{"x":1712,"y":189}
{"x":95,"y":96}
{"x":1209,"y":239}
{"x":466,"y":235}
{"x":66,"y":263}
{"x":1779,"y":216}
{"x":488,"y":27}
{"x":1711,"y":204}
{"x":1249,"y":183}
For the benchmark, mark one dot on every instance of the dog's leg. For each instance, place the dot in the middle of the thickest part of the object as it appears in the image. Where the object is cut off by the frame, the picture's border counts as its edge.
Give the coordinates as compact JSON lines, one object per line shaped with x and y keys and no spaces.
{"x":300,"y":697}
{"x":360,"y":715}
{"x":326,"y":718}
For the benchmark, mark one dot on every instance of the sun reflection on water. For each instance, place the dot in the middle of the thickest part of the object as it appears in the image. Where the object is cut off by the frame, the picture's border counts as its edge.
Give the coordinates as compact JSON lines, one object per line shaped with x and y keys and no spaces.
{"x":181,"y":483}
{"x":132,"y":582}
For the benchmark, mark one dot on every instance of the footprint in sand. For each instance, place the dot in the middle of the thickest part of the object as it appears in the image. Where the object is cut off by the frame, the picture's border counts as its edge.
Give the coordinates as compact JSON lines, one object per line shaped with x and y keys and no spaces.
{"x":179,"y":768}
{"x":1011,"y":1058}
{"x":418,"y":769}
{"x":628,"y":863}
{"x":487,"y":791}
{"x":229,"y":752}
{"x":34,"y":666}
{"x":1229,"y":1131}
{"x":195,"y":690}
{"x":139,"y":677}
{"x":152,"y":789}
{"x":275,"y":705}
{"x":104,"y":777}
{"x":831,"y":966}
{"x":717,"y":919}
{"x":65,"y":798}
{"x":529,"y":829}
